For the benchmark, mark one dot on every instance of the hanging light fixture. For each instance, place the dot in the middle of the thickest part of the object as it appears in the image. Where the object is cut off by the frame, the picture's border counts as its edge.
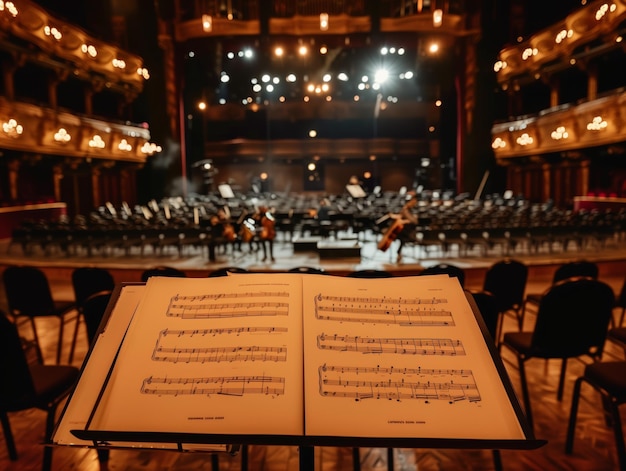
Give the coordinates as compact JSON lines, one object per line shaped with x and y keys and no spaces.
{"x":437,"y":17}
{"x":207,"y":23}
{"x":324,"y":21}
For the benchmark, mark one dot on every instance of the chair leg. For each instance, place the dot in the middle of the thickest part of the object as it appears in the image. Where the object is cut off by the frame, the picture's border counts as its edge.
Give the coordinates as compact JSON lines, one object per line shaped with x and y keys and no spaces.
{"x":497,"y":460}
{"x":244,"y":457}
{"x":619,"y":434}
{"x":356,"y":459}
{"x":60,"y":344}
{"x":215,"y":462}
{"x":73,"y":345}
{"x":559,"y":393}
{"x":525,"y":394}
{"x":36,"y":338}
{"x":571,"y":429}
{"x":8,"y":436}
{"x":47,"y":449}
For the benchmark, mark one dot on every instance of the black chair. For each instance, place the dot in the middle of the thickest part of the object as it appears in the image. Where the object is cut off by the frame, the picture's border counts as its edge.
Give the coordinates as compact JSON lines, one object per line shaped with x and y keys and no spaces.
{"x":94,"y":308}
{"x":305,"y":269}
{"x":446,"y":269}
{"x":617,"y":335}
{"x":369,"y":273}
{"x":487,"y":304}
{"x":620,"y":303}
{"x":29,"y":296}
{"x":609,"y":379}
{"x":506,"y":280}
{"x":224,"y":271}
{"x":572,"y":321}
{"x":563,"y":272}
{"x":26,"y":386}
{"x":85,"y":282}
{"x":162,"y":271}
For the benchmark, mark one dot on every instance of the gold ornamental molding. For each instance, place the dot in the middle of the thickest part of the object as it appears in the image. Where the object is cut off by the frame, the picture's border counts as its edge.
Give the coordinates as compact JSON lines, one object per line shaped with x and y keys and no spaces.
{"x":561,"y":44}
{"x":25,"y":21}
{"x":563,"y":128}
{"x":33,"y":129}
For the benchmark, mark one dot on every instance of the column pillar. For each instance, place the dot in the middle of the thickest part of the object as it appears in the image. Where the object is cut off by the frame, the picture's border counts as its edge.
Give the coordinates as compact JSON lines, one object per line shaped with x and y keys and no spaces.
{"x":95,"y":186}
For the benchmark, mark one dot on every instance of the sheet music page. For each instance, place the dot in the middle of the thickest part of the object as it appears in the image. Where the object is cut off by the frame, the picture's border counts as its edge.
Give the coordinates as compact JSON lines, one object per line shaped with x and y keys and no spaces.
{"x":210,"y":355}
{"x":399,"y":357}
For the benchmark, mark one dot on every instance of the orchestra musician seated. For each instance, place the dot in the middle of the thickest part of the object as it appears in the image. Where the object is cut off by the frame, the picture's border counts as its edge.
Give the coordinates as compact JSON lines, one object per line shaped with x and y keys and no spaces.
{"x":266,"y":223}
{"x":402,"y":228}
{"x":221,"y":232}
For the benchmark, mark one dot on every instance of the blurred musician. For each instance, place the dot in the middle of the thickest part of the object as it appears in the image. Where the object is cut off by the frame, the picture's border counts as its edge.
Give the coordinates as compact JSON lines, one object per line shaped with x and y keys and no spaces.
{"x":402,"y":228}
{"x":219,"y":231}
{"x":266,"y":230}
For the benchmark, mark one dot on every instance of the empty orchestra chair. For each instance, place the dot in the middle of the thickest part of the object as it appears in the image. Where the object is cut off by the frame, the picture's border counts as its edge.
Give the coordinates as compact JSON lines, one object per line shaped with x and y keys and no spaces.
{"x":572,"y":321}
{"x":224,"y":271}
{"x":29,"y":297}
{"x":85,"y":282}
{"x":563,"y":272}
{"x":162,"y":271}
{"x":608,"y":379}
{"x":28,"y":386}
{"x":446,"y":269}
{"x":506,"y":280}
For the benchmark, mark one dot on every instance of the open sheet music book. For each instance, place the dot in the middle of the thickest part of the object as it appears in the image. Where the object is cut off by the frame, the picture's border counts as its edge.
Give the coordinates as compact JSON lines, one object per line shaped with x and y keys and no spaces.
{"x":269,"y":357}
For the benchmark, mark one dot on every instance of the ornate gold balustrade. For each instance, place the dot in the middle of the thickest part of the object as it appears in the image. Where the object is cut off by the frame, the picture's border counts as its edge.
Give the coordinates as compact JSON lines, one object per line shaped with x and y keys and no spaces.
{"x":564,"y":128}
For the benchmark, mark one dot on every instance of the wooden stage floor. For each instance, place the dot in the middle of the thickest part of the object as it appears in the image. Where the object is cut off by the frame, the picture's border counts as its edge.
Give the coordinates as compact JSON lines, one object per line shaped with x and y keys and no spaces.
{"x":594,"y":447}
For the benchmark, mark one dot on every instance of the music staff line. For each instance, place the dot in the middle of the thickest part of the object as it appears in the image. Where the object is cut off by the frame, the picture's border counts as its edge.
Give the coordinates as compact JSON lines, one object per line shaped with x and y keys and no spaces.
{"x":382,"y":310}
{"x":220,"y":385}
{"x":228,"y":310}
{"x":219,"y":354}
{"x":361,"y":383}
{"x":215,"y":306}
{"x":403,"y":346}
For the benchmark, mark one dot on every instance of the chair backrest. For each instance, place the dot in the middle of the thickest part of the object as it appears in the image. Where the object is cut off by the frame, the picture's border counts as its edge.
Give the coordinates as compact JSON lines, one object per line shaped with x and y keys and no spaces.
{"x":446,"y":269}
{"x":27,"y":291}
{"x":224,"y":271}
{"x":89,"y":280}
{"x":487,"y":304}
{"x":506,"y":279}
{"x":573,"y":318}
{"x":16,"y":384}
{"x":94,"y":308}
{"x":304,"y":269}
{"x":575,"y":268}
{"x":369,"y":273}
{"x":162,"y":271}
{"x":620,"y":300}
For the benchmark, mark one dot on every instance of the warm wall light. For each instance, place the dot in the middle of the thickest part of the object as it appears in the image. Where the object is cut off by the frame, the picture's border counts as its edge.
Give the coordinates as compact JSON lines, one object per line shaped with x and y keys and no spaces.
{"x":437,"y":17}
{"x":124,"y":146}
{"x":525,"y":139}
{"x":96,"y":142}
{"x":559,"y":133}
{"x":207,"y":23}
{"x":324,"y":21}
{"x":62,"y":135}
{"x":150,"y":148}
{"x":498,"y":143}
{"x":597,"y":124}
{"x":12,"y":128}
